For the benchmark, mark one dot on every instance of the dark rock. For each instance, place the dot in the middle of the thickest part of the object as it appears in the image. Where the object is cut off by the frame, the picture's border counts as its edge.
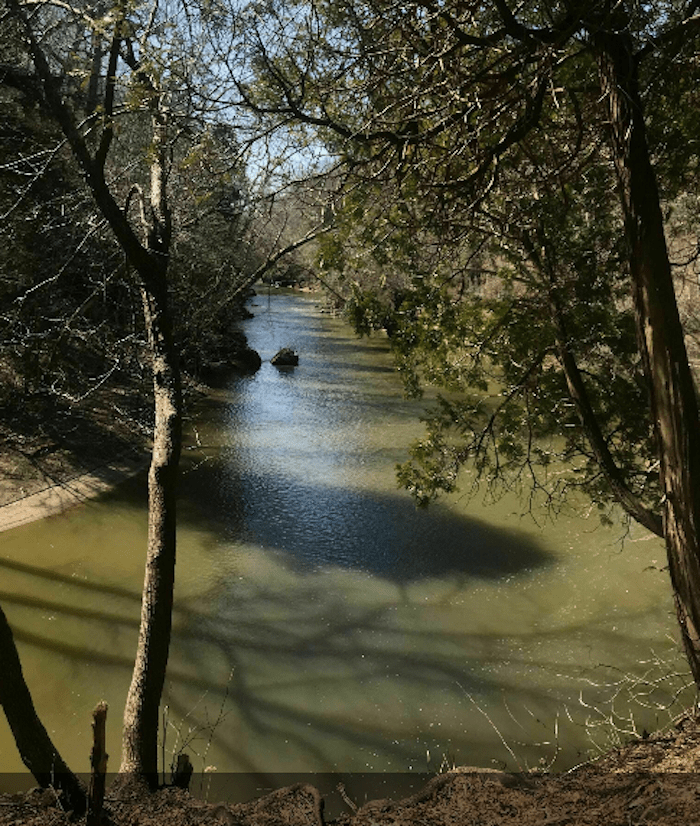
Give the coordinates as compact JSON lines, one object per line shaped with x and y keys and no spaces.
{"x":242,"y":363}
{"x":247,"y":360}
{"x":285,"y":358}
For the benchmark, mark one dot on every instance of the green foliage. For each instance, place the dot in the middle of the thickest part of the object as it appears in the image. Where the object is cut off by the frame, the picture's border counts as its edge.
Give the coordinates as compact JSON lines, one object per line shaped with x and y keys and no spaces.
{"x":480,"y":227}
{"x":469,"y":299}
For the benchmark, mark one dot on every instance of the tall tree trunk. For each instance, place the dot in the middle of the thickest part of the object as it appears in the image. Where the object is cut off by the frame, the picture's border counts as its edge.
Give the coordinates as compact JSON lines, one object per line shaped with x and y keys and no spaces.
{"x":673,"y":398}
{"x":150,"y":261}
{"x":140,"y":733}
{"x":37,"y":751}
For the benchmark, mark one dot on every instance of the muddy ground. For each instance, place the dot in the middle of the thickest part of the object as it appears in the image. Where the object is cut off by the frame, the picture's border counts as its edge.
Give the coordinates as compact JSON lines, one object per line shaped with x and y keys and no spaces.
{"x":651,"y":781}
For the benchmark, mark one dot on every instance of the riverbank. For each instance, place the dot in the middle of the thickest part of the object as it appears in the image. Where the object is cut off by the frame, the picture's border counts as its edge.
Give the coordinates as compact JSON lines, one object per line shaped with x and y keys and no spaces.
{"x":650,"y":781}
{"x":70,"y":489}
{"x":55,"y":455}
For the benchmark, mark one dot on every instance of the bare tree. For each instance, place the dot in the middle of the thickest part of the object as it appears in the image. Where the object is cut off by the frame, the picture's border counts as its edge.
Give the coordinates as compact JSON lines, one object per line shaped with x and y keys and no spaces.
{"x":160,"y":81}
{"x":147,"y":249}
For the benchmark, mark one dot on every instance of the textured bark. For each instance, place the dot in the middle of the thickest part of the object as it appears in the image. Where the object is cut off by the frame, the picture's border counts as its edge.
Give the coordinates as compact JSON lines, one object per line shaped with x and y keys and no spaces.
{"x":140,"y":733}
{"x":673,"y":398}
{"x":37,"y":751}
{"x":149,"y":259}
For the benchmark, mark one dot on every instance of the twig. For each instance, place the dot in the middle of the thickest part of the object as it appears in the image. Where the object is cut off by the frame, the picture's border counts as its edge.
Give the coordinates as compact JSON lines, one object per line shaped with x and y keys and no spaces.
{"x":346,"y":799}
{"x":494,"y":727}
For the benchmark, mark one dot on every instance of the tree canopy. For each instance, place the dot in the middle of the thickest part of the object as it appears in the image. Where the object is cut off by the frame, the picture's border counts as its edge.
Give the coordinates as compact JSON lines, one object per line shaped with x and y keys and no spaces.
{"x":512,"y":176}
{"x":480,"y":224}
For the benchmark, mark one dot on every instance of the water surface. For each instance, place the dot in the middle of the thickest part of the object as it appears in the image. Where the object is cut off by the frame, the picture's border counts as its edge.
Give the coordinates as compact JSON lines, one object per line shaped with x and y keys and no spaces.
{"x":322,"y":623}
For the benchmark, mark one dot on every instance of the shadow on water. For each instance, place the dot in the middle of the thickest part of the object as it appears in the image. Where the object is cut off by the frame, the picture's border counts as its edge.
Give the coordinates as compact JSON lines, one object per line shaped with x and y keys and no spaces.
{"x":382,"y":534}
{"x":359,"y":647}
{"x":321,"y":522}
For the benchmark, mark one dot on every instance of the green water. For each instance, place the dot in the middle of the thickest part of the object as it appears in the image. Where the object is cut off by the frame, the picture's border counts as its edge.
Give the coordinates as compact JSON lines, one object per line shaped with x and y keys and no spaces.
{"x":321,"y":622}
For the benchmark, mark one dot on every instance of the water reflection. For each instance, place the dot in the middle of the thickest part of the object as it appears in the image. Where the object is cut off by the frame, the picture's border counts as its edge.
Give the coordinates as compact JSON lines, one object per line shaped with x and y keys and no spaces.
{"x":321,"y":622}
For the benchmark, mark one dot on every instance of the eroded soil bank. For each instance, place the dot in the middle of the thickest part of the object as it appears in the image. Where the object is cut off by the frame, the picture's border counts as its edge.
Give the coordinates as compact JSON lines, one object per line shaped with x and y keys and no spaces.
{"x":652,"y":781}
{"x":55,"y":456}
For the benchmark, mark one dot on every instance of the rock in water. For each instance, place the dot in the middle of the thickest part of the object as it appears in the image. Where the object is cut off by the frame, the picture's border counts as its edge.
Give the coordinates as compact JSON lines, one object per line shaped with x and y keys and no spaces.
{"x":247,"y":360}
{"x":285,"y":358}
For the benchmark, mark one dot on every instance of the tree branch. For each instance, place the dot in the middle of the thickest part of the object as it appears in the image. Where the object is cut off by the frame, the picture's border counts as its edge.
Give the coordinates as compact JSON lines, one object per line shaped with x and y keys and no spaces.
{"x":589,"y":421}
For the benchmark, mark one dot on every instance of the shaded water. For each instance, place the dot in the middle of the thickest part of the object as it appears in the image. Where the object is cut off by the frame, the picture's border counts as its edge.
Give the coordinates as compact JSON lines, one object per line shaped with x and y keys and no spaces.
{"x":322,"y":623}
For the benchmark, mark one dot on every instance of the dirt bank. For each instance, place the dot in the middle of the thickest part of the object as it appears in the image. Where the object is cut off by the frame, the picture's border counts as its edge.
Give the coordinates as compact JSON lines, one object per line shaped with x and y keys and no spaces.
{"x":54,"y":456}
{"x":69,"y":489}
{"x":651,"y":781}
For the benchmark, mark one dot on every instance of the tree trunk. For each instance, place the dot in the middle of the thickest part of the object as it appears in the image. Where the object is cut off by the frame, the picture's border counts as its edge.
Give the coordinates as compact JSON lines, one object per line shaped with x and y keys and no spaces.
{"x":37,"y":751}
{"x":140,"y":734}
{"x":150,"y":261}
{"x":93,"y":91}
{"x":673,"y":399}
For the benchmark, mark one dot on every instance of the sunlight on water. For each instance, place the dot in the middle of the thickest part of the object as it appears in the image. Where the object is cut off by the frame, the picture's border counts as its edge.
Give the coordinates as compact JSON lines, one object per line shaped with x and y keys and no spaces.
{"x":323,"y":623}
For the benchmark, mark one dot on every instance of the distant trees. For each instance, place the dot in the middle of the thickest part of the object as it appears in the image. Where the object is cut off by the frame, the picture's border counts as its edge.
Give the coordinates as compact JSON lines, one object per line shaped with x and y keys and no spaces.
{"x":53,"y":242}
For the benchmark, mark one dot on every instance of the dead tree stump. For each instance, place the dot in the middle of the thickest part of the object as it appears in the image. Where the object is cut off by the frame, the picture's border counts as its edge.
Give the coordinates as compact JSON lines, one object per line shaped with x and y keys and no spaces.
{"x":98,"y":765}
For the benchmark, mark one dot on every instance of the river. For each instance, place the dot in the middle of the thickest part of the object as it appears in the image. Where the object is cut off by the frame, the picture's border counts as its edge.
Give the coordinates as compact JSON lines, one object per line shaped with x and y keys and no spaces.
{"x":322,"y":623}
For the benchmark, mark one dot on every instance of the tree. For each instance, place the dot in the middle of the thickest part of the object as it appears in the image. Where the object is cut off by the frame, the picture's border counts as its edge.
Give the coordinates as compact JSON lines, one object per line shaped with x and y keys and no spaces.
{"x":148,"y":256}
{"x":146,"y":132}
{"x":33,"y":742}
{"x":135,"y":80}
{"x":478,"y":118}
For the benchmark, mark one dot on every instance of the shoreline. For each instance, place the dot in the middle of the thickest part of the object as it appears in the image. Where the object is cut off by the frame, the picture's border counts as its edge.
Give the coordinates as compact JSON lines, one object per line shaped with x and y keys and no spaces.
{"x":66,"y":493}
